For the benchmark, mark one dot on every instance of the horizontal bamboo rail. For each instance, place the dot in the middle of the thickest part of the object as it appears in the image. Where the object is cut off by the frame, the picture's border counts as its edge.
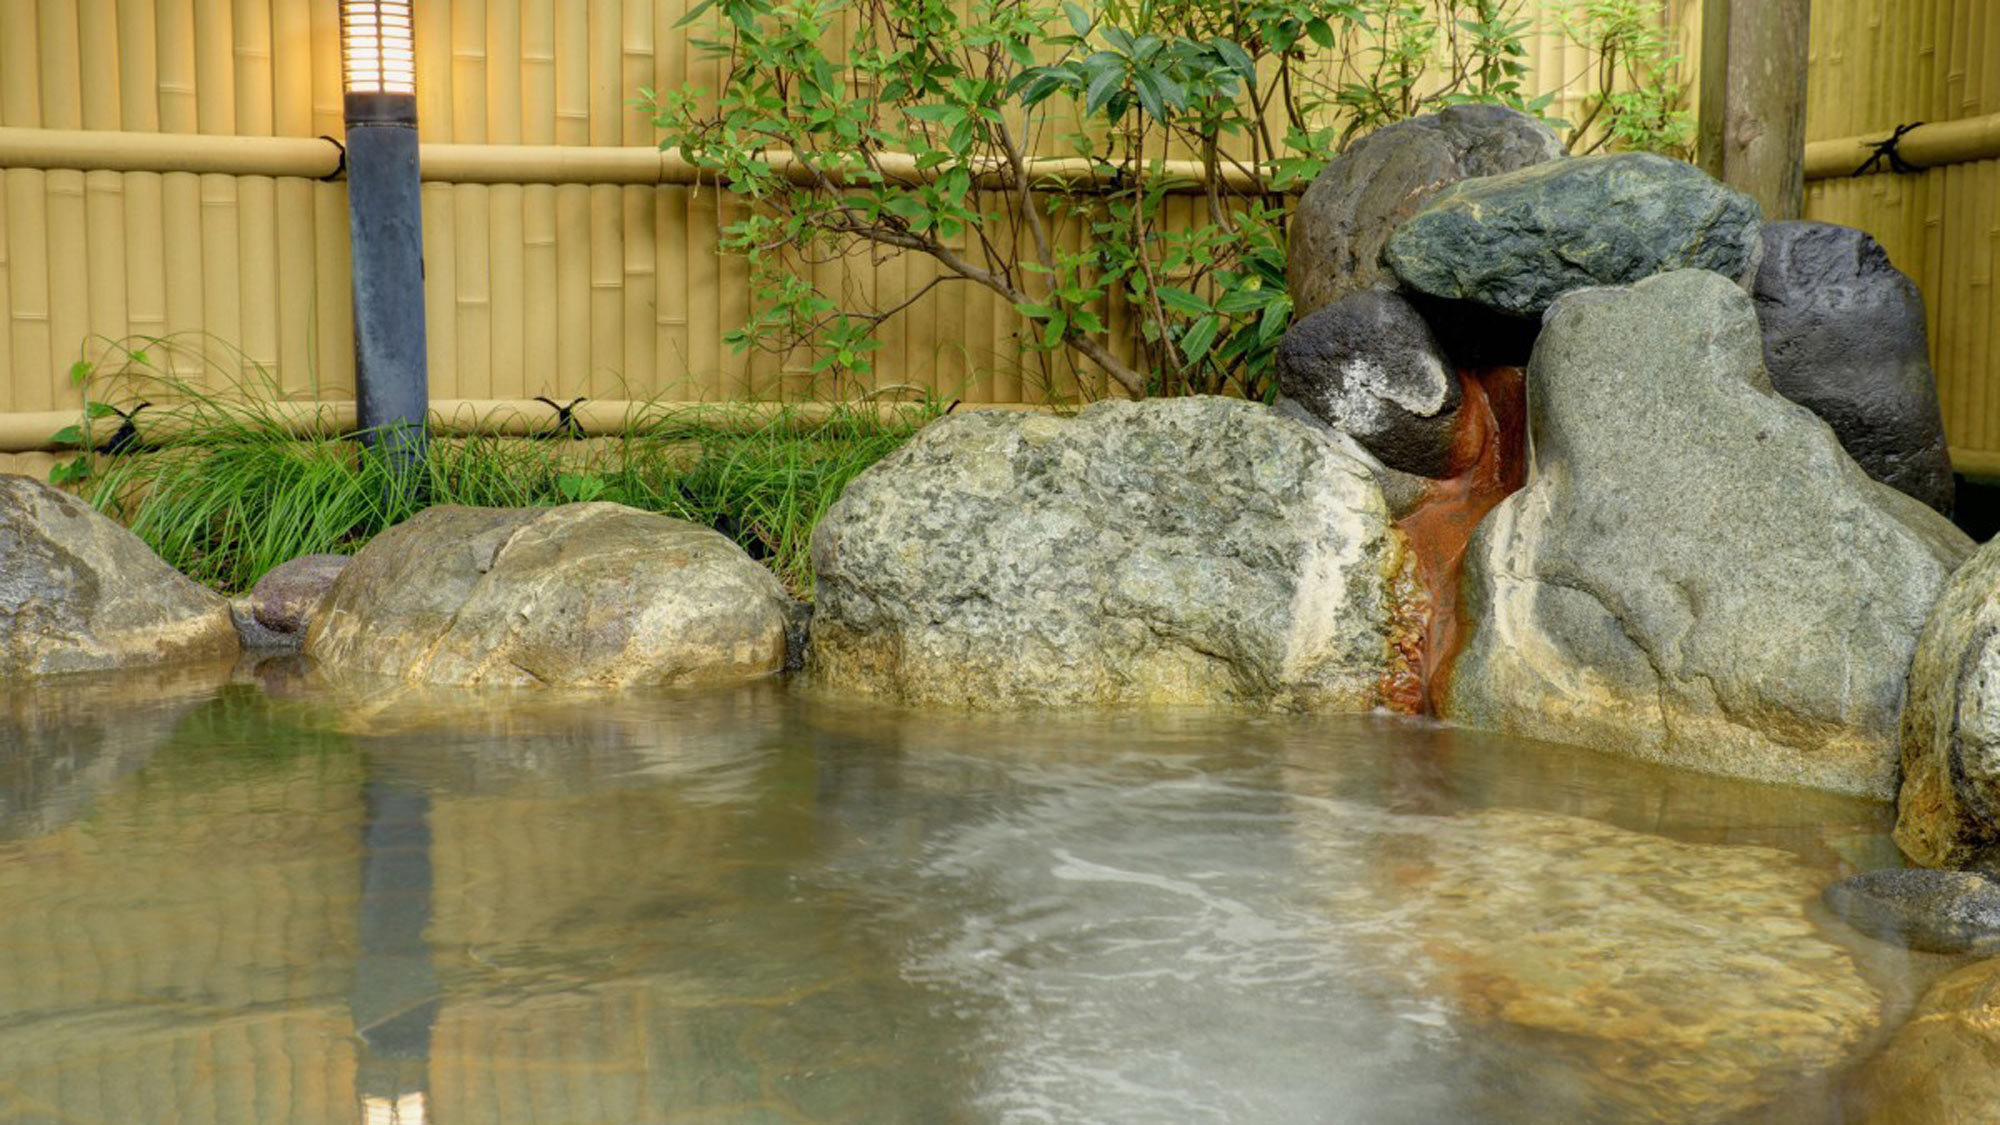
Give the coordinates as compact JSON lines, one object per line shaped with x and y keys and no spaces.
{"x":320,"y":158}
{"x":30,"y":432}
{"x":1927,"y":146}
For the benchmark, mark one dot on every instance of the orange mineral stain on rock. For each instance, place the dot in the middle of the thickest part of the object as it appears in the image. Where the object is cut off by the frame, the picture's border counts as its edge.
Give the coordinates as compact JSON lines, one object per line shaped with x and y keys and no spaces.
{"x":1488,"y":462}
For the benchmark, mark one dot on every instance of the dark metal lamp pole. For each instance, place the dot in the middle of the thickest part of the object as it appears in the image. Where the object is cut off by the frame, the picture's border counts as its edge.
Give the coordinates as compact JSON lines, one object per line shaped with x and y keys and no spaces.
{"x":385,"y":224}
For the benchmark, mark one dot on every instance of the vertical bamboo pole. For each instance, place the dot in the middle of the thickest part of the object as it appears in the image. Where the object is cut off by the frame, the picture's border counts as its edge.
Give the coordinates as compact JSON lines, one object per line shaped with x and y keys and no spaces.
{"x":1956,"y":45}
{"x":333,"y":294}
{"x":139,"y":111}
{"x":257,"y":245}
{"x":215,"y":105}
{"x":639,"y":286}
{"x":435,"y":92}
{"x":704,"y":264}
{"x":332,"y":328}
{"x":1978,"y":304}
{"x":292,"y":116}
{"x":540,"y":352}
{"x":670,"y":348}
{"x":8,"y":375}
{"x":104,"y":192}
{"x":504,"y":235}
{"x":473,"y":309}
{"x":21,"y":191}
{"x":572,"y":373}
{"x":33,"y":355}
{"x":329,"y":111}
{"x":606,"y":265}
{"x":475,"y":295}
{"x":66,"y":215}
{"x":603,"y":27}
{"x":673,"y":276}
{"x":738,"y":370}
{"x":1961,"y":407}
{"x":1989,"y":80}
{"x":180,"y":192}
{"x":441,"y":287}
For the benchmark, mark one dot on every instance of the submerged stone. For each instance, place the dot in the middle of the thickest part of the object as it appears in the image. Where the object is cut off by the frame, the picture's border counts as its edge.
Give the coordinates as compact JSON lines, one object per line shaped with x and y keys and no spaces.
{"x":1696,"y":573}
{"x":583,"y":594}
{"x":1683,"y":982}
{"x":1170,"y":551}
{"x":1362,"y":195}
{"x":1844,"y":337}
{"x":1929,"y":911}
{"x":79,"y":593}
{"x":1516,"y":242}
{"x":1943,"y":1065}
{"x":1948,"y":812}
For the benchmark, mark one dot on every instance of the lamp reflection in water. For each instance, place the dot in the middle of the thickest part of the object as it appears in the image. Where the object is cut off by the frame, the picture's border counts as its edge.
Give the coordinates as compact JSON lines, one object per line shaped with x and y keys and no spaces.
{"x":394,"y":1001}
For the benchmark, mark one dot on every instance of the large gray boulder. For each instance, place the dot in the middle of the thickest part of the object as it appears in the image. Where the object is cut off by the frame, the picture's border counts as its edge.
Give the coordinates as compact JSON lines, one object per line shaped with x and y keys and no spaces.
{"x":79,"y":593}
{"x":1368,"y":366}
{"x":1170,"y":551}
{"x":1516,"y":242}
{"x":583,"y":594}
{"x":1844,"y":336}
{"x":1358,"y":199}
{"x":1696,"y":573}
{"x":1948,"y":813}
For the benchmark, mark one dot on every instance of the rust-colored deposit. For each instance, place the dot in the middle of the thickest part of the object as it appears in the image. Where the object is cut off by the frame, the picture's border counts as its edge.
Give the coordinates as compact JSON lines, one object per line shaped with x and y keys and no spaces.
{"x":1488,"y":462}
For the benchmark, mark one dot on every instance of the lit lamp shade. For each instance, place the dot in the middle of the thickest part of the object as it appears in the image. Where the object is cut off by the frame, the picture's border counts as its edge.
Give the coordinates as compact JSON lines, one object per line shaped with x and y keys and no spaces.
{"x":378,"y":57}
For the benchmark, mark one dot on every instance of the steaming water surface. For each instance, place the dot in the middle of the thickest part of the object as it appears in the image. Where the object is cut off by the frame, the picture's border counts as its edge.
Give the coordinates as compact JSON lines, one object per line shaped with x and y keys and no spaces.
{"x":272,"y":900}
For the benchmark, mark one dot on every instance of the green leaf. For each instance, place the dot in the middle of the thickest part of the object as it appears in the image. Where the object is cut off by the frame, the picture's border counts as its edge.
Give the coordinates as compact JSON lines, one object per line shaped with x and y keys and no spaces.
{"x":1321,"y":33}
{"x":79,"y":372}
{"x":1195,"y":343}
{"x":1079,"y":20}
{"x":98,"y":410}
{"x":694,"y":13}
{"x":1106,"y":83}
{"x":1180,"y":300}
{"x":68,"y":435}
{"x":1237,"y":59}
{"x":1052,"y":332}
{"x":1149,"y":94}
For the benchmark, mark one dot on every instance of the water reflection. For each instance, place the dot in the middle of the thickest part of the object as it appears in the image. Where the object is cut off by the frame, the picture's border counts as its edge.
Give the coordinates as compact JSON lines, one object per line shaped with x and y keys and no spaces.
{"x":298,"y":901}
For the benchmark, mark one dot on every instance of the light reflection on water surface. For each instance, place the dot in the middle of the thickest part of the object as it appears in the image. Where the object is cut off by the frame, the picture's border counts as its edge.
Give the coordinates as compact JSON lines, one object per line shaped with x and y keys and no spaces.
{"x":272,"y":901}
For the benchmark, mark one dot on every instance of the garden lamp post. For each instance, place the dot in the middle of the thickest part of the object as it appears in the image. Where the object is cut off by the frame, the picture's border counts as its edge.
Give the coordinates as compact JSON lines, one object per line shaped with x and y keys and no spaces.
{"x":385,"y":225}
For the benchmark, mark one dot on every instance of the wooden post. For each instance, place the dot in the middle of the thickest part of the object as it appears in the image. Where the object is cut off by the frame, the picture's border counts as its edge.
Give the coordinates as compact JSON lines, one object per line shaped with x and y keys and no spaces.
{"x":1764,"y":119}
{"x":1710,"y":85}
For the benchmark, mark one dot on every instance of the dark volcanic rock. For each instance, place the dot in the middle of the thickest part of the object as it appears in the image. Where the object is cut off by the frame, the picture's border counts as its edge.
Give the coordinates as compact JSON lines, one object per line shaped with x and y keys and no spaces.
{"x":1930,"y":911}
{"x":1348,"y":213}
{"x":1844,"y":337}
{"x":1369,"y":366}
{"x":1516,"y":242}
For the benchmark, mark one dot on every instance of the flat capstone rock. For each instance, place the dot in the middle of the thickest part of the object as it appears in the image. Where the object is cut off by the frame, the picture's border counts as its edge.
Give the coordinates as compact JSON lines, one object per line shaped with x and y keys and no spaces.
{"x":1516,"y":242}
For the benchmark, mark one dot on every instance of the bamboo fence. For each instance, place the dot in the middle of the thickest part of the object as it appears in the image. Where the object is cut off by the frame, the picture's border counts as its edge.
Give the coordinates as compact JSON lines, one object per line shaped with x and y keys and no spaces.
{"x":567,"y":256}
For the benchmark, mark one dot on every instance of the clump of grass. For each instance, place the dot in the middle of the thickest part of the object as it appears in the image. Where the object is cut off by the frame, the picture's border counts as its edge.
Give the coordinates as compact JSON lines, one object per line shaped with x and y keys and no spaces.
{"x":240,"y":490}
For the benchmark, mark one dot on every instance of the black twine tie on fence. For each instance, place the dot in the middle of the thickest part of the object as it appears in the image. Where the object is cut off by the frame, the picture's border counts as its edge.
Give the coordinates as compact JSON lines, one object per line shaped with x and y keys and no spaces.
{"x":339,"y":168}
{"x":1887,"y":149}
